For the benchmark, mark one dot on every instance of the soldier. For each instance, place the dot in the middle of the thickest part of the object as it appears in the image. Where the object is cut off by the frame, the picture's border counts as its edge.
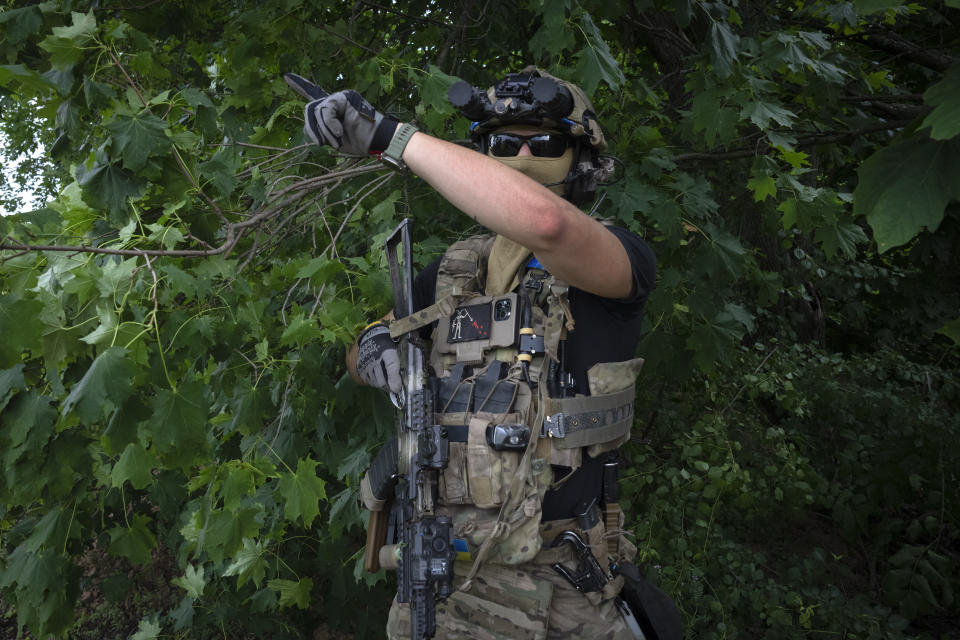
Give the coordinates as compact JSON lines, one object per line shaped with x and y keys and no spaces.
{"x":533,"y":331}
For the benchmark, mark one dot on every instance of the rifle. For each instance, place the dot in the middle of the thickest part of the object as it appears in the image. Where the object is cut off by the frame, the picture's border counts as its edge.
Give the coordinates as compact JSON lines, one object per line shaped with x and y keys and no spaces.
{"x":422,"y":543}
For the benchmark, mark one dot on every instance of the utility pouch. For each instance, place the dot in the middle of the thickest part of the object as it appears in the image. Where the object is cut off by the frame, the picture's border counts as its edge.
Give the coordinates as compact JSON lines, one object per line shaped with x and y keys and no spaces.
{"x":478,"y":473}
{"x":600,"y":421}
{"x":478,"y":325}
{"x":489,"y":471}
{"x":656,"y":612}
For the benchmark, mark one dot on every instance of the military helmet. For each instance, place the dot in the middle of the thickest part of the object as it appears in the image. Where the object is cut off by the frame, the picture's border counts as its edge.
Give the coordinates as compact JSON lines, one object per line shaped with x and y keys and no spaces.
{"x":531,"y":97}
{"x":534,"y":97}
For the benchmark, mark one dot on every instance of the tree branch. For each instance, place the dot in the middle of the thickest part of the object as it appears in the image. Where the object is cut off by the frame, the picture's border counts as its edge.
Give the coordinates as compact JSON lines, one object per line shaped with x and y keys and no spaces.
{"x":894,"y":43}
{"x":811,"y":140}
{"x":233,"y":231}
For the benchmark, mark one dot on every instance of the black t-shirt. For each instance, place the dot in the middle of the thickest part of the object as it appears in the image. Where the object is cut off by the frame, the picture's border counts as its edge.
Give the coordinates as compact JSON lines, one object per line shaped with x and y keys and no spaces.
{"x":607,"y":330}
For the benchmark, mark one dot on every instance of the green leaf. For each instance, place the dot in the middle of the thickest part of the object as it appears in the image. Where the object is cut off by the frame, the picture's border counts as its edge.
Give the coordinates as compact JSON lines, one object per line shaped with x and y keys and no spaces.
{"x":11,"y":381}
{"x":433,"y":90}
{"x":137,"y":138}
{"x":147,"y":630}
{"x":736,"y":320}
{"x":192,"y":581}
{"x":221,"y":170}
{"x":108,"y":378}
{"x":727,"y":251}
{"x":595,"y":60}
{"x":866,"y":7}
{"x":169,"y":237}
{"x":108,"y":187}
{"x":944,"y":97}
{"x":67,"y":44}
{"x":354,"y":464}
{"x":19,"y":328}
{"x":135,"y":542}
{"x":239,"y":483}
{"x":763,"y":187}
{"x":632,"y":196}
{"x":105,"y":330}
{"x":904,"y":188}
{"x":248,"y":564}
{"x":225,"y":531}
{"x":300,"y":331}
{"x":718,"y":123}
{"x":761,"y":113}
{"x":796,"y":159}
{"x":179,"y":423}
{"x":51,"y":531}
{"x":724,"y":44}
{"x":9,"y":74}
{"x":21,"y":23}
{"x":345,"y":511}
{"x":81,"y":31}
{"x":301,"y":492}
{"x":841,"y":236}
{"x":320,"y":270}
{"x":64,"y":53}
{"x":41,"y":580}
{"x":28,"y":425}
{"x":556,"y":33}
{"x":195,"y":97}
{"x":951,"y":330}
{"x":292,"y":592}
{"x":135,"y":465}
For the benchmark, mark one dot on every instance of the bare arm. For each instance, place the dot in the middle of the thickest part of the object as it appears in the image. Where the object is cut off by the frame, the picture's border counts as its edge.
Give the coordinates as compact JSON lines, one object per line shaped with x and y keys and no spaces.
{"x":570,"y":244}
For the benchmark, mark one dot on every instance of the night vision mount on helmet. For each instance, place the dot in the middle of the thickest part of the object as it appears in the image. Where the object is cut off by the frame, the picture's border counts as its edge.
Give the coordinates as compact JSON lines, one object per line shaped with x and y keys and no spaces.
{"x":535,"y":98}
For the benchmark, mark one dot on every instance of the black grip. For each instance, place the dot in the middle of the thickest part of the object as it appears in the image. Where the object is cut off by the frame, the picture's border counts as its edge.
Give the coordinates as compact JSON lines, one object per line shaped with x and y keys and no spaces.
{"x":383,"y":471}
{"x":611,"y":490}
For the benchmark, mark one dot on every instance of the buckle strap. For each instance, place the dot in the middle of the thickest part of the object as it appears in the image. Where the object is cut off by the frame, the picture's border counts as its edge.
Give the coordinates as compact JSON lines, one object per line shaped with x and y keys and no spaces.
{"x":427,"y":315}
{"x":584,"y":420}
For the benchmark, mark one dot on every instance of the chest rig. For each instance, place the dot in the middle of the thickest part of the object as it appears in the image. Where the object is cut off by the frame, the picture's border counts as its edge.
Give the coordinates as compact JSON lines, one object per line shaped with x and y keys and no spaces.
{"x":509,"y":414}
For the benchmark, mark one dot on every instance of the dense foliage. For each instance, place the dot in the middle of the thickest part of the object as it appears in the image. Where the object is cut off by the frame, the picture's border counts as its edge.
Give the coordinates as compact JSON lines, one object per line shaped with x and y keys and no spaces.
{"x":181,"y":449}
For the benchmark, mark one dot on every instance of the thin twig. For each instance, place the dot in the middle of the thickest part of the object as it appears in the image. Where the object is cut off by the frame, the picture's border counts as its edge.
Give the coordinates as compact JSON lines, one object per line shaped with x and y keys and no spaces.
{"x":744,"y":386}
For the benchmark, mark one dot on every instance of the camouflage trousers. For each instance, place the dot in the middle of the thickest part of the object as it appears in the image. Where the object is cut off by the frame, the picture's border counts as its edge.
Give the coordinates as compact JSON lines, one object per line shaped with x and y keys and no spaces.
{"x":528,"y":601}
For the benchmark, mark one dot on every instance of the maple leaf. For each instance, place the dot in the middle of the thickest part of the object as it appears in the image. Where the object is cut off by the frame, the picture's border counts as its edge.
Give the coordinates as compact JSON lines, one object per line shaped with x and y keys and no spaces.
{"x":192,"y":582}
{"x":302,"y":492}
{"x":108,"y":378}
{"x":293,"y":592}
{"x":248,"y":563}
{"x":135,"y":542}
{"x":136,"y":138}
{"x":178,"y":425}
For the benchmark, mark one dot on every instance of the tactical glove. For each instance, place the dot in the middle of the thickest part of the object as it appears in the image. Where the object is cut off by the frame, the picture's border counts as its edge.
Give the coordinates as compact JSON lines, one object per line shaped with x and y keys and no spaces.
{"x":378,"y":361}
{"x":342,"y":120}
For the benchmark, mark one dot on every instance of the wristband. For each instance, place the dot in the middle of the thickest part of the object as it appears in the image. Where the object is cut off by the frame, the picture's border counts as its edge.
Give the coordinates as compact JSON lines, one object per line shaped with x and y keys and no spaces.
{"x":392,"y":156}
{"x":372,"y":325}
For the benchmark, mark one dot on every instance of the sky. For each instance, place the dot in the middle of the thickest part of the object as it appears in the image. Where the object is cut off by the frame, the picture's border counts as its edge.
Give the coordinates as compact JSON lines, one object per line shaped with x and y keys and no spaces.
{"x":30,"y":203}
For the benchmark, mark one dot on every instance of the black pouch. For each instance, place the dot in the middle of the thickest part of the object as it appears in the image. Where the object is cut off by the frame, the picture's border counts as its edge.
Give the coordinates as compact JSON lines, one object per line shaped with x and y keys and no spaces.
{"x":656,"y":612}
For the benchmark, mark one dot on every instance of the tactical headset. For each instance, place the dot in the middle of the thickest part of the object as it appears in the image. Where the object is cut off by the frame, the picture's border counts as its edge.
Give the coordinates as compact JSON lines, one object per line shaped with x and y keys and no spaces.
{"x":534,"y":97}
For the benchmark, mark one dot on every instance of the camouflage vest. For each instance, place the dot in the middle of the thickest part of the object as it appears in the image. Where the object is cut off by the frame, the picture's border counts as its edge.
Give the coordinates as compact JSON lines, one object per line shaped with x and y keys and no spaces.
{"x":495,"y":496}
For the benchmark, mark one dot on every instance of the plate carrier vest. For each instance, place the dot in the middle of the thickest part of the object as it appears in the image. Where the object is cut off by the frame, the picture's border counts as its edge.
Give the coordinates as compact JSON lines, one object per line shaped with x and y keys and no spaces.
{"x":477,"y":353}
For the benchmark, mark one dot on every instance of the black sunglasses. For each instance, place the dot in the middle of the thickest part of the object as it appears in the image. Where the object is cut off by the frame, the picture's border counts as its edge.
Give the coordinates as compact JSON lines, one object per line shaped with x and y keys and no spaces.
{"x":544,"y":145}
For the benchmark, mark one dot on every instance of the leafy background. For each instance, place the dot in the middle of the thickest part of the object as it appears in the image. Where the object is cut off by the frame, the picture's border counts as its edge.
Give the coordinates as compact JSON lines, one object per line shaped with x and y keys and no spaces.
{"x":181,"y":450}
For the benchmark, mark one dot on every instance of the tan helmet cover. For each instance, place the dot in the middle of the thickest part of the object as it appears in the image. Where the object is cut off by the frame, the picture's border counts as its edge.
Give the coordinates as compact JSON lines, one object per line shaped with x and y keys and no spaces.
{"x":581,"y":106}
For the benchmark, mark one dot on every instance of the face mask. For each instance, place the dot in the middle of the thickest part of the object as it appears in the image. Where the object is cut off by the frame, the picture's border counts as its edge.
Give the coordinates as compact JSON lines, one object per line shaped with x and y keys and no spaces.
{"x":543,"y":170}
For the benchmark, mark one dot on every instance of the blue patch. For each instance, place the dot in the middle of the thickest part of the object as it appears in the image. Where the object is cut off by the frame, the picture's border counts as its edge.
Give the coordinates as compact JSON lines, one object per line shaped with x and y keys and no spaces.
{"x":534,"y":263}
{"x":463,"y":551}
